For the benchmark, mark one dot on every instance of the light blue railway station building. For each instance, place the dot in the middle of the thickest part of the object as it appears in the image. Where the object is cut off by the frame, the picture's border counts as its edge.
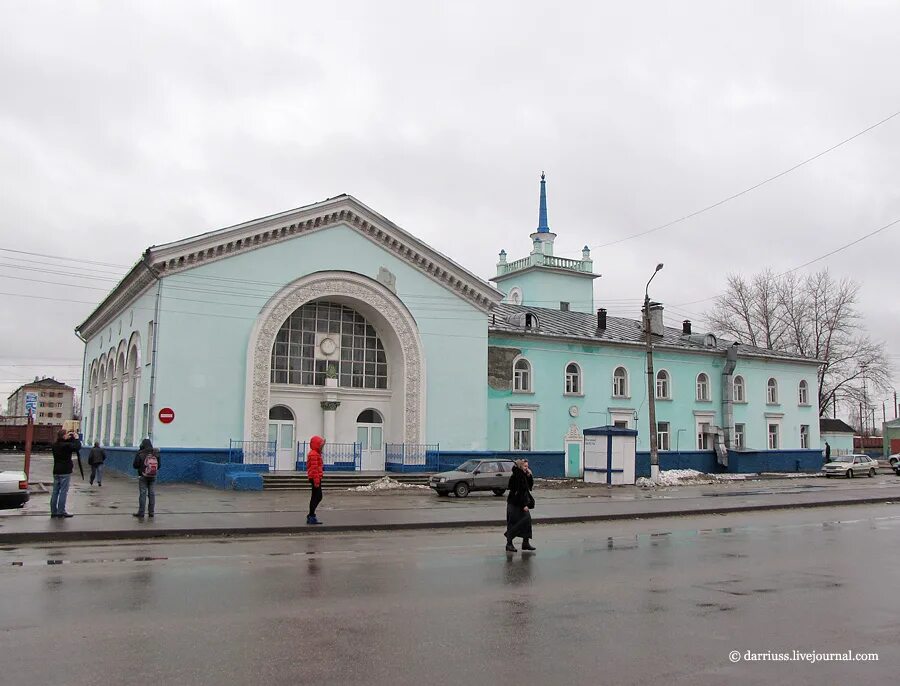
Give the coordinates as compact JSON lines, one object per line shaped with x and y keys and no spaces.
{"x":330,"y":319}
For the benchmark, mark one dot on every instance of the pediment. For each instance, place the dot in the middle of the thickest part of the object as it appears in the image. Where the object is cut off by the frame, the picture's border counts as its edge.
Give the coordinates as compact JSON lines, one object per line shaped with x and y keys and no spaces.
{"x":180,"y":256}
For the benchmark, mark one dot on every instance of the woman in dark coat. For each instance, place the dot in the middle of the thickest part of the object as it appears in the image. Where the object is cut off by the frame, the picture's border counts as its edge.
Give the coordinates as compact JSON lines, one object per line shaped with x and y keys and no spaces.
{"x":518,"y":506}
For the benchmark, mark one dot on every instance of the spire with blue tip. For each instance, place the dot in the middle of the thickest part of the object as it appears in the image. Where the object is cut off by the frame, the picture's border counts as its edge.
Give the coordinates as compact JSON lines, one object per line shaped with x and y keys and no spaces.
{"x":542,"y":212}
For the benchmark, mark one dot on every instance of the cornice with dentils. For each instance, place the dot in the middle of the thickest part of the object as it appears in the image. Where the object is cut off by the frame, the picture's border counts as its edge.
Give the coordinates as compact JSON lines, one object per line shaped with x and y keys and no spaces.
{"x":181,"y":256}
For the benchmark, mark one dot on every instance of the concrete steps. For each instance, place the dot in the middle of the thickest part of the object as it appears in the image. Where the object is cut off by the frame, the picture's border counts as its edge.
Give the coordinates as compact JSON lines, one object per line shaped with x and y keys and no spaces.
{"x":334,"y":481}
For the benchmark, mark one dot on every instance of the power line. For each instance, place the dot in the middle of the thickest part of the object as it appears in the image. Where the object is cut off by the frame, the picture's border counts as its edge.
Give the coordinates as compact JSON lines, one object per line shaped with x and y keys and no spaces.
{"x":746,"y":190}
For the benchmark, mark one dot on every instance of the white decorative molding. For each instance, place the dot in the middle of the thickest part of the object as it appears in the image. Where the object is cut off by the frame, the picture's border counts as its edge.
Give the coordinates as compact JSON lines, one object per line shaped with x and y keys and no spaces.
{"x":573,"y":434}
{"x":325,"y":285}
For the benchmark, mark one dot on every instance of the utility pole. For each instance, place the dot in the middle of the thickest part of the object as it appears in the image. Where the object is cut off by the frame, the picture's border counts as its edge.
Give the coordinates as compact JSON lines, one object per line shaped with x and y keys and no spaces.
{"x":651,"y":382}
{"x":896,"y":407}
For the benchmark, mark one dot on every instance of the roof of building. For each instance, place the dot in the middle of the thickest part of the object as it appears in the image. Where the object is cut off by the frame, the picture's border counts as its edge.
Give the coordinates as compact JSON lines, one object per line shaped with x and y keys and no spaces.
{"x":552,"y":323}
{"x":161,"y":261}
{"x":835,"y":426}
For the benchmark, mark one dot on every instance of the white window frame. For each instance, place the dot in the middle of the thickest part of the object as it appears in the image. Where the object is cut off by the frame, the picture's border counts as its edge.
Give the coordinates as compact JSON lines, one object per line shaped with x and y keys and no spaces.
{"x":626,"y":390}
{"x":702,"y":436}
{"x":803,"y":393}
{"x":771,"y":397}
{"x":663,"y":437}
{"x":773,"y":445}
{"x":740,"y":443}
{"x":529,"y":376}
{"x":522,"y":412}
{"x":668,"y":382}
{"x":743,"y":386}
{"x":804,"y":437}
{"x":578,"y":376}
{"x":705,"y":396}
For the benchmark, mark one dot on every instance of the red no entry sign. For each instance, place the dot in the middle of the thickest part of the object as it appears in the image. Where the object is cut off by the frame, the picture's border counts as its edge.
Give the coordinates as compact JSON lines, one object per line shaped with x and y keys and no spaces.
{"x":167,"y":415}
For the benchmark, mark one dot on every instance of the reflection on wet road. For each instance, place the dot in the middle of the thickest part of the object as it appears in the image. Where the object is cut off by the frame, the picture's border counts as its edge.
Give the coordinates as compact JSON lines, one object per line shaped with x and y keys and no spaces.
{"x":626,"y":602}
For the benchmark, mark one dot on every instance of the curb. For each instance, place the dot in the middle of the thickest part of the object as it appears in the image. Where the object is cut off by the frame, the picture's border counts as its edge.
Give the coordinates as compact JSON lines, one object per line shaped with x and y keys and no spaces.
{"x":220,"y":532}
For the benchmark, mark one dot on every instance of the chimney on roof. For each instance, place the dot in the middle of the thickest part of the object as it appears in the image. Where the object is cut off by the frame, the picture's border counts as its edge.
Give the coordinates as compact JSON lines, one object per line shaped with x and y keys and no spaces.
{"x":601,"y":319}
{"x":656,"y":319}
{"x":686,"y":327}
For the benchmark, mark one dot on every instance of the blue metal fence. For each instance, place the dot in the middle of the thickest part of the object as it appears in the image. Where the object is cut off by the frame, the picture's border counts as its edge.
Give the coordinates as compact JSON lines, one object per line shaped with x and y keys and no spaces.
{"x":337,"y":457}
{"x":412,"y":457}
{"x":252,"y":452}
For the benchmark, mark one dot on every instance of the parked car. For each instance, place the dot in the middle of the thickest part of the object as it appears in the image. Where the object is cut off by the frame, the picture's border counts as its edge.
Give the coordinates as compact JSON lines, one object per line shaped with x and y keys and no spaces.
{"x":474,"y":475}
{"x":13,"y":490}
{"x":850,"y":466}
{"x":895,"y":461}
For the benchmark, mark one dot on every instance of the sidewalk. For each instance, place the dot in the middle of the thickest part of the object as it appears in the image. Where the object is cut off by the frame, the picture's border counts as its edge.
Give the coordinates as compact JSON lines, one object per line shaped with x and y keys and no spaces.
{"x":188,"y":510}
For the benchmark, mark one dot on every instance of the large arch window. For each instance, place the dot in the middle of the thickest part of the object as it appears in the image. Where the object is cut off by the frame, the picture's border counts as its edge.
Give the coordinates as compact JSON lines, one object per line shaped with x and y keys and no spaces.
{"x":328,"y":340}
{"x":740,"y":394}
{"x":804,"y":393}
{"x":772,"y":392}
{"x":663,"y":385}
{"x":620,"y":383}
{"x":702,"y":386}
{"x":522,"y":376}
{"x":573,"y":379}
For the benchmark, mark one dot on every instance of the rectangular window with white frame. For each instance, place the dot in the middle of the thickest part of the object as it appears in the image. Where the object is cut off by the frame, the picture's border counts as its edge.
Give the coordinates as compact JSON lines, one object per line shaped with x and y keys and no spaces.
{"x":739,"y":436}
{"x":522,"y":433}
{"x":804,"y":436}
{"x":703,"y":442}
{"x":663,"y":433}
{"x":773,"y":436}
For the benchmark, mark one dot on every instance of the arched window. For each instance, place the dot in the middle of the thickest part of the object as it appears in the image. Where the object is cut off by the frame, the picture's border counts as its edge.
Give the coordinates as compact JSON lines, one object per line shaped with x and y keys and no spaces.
{"x":323,"y":339}
{"x":522,"y":376}
{"x":804,"y":393}
{"x":620,"y":383}
{"x":369,"y":417}
{"x":281,"y":413}
{"x":573,"y":378}
{"x":772,"y":392}
{"x":662,"y":385}
{"x":702,"y":386}
{"x":740,"y":395}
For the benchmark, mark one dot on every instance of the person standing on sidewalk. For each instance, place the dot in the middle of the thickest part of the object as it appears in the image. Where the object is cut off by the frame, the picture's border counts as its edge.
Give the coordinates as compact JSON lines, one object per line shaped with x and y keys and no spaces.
{"x":315,"y":468}
{"x":64,"y":448}
{"x":147,"y":464}
{"x":519,"y":503}
{"x":96,"y":460}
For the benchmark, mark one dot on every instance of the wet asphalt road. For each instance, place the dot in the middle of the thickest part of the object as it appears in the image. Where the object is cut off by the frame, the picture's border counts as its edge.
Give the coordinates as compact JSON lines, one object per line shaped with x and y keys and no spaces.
{"x":661,"y":601}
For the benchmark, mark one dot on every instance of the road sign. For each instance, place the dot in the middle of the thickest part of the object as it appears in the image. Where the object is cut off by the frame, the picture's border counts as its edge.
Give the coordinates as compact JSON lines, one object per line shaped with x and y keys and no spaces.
{"x":31,"y":403}
{"x":167,"y":415}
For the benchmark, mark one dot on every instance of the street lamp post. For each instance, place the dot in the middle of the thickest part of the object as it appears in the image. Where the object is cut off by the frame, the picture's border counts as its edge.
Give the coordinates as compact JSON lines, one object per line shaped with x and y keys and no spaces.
{"x":651,"y":382}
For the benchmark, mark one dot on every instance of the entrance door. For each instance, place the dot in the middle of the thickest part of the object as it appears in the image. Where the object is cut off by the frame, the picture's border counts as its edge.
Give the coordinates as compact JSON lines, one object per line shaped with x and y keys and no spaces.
{"x":370,"y":436}
{"x":573,"y":460}
{"x":281,"y":433}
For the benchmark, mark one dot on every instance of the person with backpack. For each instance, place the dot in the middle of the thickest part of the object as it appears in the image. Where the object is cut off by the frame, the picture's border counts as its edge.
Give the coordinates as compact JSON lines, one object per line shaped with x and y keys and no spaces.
{"x":96,"y":460}
{"x":315,"y":468}
{"x":147,"y":463}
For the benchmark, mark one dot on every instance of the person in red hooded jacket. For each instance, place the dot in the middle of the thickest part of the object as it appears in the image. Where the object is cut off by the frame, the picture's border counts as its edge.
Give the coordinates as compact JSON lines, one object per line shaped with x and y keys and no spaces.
{"x":314,"y":470}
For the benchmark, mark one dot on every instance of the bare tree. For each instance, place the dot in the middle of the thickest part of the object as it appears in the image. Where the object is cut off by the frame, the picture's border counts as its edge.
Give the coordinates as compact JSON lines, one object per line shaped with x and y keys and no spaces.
{"x":814,"y":316}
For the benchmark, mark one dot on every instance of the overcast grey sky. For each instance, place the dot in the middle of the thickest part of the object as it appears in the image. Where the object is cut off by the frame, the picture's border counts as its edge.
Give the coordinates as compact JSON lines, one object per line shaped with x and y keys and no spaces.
{"x":126,"y":124}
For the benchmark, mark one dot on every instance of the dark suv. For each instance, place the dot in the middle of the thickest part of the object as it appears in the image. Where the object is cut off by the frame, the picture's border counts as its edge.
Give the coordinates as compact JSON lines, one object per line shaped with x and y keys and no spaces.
{"x":474,"y":475}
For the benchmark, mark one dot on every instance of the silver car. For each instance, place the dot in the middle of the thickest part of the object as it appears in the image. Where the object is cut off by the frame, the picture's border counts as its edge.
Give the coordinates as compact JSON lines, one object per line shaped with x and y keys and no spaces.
{"x":850,"y":466}
{"x":474,"y":475}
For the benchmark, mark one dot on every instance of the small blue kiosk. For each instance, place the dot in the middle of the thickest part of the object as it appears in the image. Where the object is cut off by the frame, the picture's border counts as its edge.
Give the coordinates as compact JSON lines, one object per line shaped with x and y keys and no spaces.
{"x":609,"y":455}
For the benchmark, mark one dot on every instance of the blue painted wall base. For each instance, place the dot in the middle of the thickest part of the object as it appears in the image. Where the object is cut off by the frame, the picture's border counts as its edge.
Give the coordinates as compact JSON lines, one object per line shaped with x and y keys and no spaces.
{"x":739,"y":462}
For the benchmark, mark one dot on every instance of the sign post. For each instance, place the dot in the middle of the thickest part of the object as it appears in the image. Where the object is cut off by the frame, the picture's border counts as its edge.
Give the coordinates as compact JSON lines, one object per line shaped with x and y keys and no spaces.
{"x":29,"y":437}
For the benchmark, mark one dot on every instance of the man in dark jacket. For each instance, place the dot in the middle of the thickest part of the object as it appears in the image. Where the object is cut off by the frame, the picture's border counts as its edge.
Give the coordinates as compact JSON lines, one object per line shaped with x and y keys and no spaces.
{"x":518,"y":506}
{"x":64,"y":448}
{"x":96,"y":460}
{"x":147,"y":464}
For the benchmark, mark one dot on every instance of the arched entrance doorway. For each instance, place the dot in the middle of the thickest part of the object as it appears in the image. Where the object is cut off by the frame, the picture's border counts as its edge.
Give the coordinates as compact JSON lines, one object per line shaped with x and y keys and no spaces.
{"x":370,"y":436}
{"x":281,"y":433}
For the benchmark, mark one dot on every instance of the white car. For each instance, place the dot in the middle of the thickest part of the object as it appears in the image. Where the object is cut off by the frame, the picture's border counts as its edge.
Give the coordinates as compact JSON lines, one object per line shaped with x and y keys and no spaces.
{"x":894,"y":460}
{"x":850,"y":466}
{"x":13,"y":490}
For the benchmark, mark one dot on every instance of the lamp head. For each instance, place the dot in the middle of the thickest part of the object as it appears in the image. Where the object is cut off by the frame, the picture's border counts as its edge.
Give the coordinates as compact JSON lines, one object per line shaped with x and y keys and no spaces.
{"x":659,"y":266}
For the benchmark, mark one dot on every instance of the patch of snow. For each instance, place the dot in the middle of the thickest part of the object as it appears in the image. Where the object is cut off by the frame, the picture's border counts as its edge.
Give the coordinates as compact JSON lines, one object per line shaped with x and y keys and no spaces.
{"x":386,"y":483}
{"x":684,"y":477}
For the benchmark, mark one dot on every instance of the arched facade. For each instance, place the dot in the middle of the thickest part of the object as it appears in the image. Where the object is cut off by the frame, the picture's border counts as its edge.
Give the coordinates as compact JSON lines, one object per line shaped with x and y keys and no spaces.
{"x":402,"y":403}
